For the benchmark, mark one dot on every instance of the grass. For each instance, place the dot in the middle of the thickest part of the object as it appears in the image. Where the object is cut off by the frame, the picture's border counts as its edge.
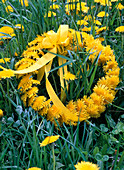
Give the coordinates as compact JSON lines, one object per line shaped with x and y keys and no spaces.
{"x":100,"y":140}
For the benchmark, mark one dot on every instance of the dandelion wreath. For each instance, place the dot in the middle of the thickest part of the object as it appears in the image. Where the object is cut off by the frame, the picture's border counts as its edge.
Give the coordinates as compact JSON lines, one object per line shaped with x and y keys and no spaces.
{"x":36,"y":63}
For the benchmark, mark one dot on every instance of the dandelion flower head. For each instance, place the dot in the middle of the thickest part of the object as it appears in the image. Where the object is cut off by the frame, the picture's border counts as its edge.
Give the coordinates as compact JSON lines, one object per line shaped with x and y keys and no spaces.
{"x":120,"y":29}
{"x":102,"y":14}
{"x":86,"y":166}
{"x":25,"y":2}
{"x":9,"y":9}
{"x":49,"y":139}
{"x":6,"y":30}
{"x":34,"y":168}
{"x":69,"y":76}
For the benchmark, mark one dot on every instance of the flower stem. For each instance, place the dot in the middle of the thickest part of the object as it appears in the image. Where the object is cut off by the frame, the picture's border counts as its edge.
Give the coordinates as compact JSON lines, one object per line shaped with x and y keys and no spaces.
{"x":54,"y":164}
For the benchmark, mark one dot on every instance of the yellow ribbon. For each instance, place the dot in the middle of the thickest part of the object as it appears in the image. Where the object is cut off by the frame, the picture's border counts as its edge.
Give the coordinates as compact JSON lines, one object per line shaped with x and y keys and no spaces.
{"x":61,"y":71}
{"x":40,"y":63}
{"x":66,"y":114}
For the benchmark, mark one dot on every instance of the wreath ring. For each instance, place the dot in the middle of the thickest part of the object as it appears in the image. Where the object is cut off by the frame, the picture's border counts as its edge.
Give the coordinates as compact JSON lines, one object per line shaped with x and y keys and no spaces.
{"x":34,"y":61}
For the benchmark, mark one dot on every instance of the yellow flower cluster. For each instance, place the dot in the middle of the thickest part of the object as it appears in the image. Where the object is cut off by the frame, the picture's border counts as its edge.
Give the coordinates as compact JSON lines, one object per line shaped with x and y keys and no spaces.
{"x":69,"y":7}
{"x":104,"y":2}
{"x":32,"y":64}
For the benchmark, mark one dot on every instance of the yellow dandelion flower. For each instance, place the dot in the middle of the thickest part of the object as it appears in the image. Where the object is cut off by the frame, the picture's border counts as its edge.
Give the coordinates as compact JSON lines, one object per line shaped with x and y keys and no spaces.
{"x":44,"y":110}
{"x":69,"y":76}
{"x":101,"y":108}
{"x":86,"y":166}
{"x":39,"y":103}
{"x":98,"y":100}
{"x":81,"y":111}
{"x":71,"y":106}
{"x":24,"y":61}
{"x":109,"y":81}
{"x":25,"y":83}
{"x":103,"y":2}
{"x":120,"y":6}
{"x":34,"y":168}
{"x":93,"y":110}
{"x":120,"y":29}
{"x":54,"y":113}
{"x":24,"y":98}
{"x":23,"y":66}
{"x":96,"y":28}
{"x":31,"y":100}
{"x":1,"y":113}
{"x":5,"y":59}
{"x":86,"y":29}
{"x":100,"y":30}
{"x":32,"y":54}
{"x":54,"y":6}
{"x":50,"y":13}
{"x":110,"y":65}
{"x":32,"y":91}
{"x":38,"y":39}
{"x":104,"y":91}
{"x":113,"y":81}
{"x":114,"y":71}
{"x":83,"y":8}
{"x":102,"y":14}
{"x":88,"y":17}
{"x":6,"y":74}
{"x":69,"y":7}
{"x":80,"y":106}
{"x":19,"y":26}
{"x":6,"y":30}
{"x":82,"y":22}
{"x":87,"y":100}
{"x":49,"y":139}
{"x":109,"y":97}
{"x":9,"y":9}
{"x":97,"y":22}
{"x":3,"y":1}
{"x":100,"y":39}
{"x":24,"y":2}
